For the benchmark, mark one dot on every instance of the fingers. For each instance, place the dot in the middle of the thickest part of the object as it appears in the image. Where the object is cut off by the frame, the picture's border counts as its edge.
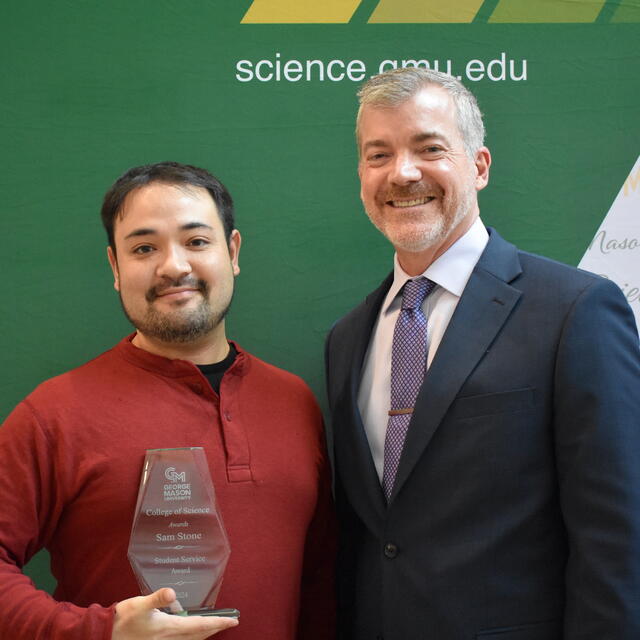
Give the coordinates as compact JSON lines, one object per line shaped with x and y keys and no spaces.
{"x":160,"y":598}
{"x":141,"y":618}
{"x":193,"y":627}
{"x":207,"y":626}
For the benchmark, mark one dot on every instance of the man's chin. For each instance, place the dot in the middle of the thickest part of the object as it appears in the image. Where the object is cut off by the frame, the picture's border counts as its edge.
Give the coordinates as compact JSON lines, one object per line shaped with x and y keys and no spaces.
{"x":416,"y":241}
{"x":168,"y":305}
{"x":173,"y":333}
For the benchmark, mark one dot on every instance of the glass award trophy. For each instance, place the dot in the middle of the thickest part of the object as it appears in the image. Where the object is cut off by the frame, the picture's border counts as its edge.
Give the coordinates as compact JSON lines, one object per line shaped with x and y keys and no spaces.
{"x":178,"y":539}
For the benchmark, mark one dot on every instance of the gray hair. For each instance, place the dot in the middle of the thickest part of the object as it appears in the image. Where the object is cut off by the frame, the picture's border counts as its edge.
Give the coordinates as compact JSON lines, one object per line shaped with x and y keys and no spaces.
{"x":393,"y":87}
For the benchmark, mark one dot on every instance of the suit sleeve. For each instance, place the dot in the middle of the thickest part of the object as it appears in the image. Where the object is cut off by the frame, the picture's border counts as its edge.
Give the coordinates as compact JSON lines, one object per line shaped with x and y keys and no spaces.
{"x":597,"y":439}
{"x":348,"y":527}
{"x":317,"y":591}
{"x":30,"y":506}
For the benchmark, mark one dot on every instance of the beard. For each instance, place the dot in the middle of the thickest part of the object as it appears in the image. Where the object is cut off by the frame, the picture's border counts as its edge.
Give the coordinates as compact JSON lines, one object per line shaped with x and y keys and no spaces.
{"x":414,"y":233}
{"x":180,"y":325}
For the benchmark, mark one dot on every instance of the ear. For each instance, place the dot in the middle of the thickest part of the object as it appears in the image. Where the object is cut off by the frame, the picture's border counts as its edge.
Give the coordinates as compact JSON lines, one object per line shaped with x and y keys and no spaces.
{"x":113,"y":262}
{"x":482,"y":162}
{"x":235,"y":240}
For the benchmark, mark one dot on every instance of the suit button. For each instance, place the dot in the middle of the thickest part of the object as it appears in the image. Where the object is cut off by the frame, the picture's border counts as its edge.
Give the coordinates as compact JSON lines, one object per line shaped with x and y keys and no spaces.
{"x":390,"y":550}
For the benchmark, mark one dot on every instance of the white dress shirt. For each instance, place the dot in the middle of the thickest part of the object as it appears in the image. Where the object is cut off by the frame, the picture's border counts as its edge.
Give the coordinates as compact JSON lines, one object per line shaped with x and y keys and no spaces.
{"x":450,"y":272}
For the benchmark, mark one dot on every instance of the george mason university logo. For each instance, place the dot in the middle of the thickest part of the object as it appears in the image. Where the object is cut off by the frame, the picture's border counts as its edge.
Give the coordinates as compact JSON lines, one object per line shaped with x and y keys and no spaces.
{"x":172,"y":475}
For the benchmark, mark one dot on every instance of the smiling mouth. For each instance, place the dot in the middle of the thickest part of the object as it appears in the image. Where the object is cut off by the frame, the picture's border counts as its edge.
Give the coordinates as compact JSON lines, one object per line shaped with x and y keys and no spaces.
{"x":177,"y":296}
{"x":177,"y":289}
{"x":414,"y":202}
{"x":172,"y":295}
{"x":172,"y":292}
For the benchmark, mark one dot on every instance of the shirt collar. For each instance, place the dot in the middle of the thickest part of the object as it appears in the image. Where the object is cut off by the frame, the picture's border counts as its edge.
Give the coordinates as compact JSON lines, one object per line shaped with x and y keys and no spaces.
{"x":451,"y":270}
{"x":174,"y":368}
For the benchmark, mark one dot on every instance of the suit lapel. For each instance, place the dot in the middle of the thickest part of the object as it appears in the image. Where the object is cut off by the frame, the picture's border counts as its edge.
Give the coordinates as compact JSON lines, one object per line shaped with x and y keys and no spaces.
{"x":484,"y":307}
{"x":363,"y":485}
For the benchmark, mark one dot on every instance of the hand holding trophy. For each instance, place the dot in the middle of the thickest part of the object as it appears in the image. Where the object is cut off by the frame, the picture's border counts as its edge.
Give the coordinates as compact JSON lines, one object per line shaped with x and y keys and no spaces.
{"x":141,"y":618}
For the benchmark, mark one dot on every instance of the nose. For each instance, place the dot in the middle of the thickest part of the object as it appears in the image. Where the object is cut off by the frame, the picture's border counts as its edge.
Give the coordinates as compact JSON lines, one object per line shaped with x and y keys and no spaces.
{"x":405,"y":170}
{"x":174,"y":264}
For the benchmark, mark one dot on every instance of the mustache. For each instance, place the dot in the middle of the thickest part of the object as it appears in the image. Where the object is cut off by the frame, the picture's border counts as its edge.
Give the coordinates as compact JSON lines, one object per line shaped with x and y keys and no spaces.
{"x":187,"y":281}
{"x":409,"y":191}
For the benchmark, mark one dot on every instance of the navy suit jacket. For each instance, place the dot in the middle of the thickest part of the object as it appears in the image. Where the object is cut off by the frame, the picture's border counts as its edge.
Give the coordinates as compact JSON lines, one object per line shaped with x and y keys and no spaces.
{"x":515,"y":513}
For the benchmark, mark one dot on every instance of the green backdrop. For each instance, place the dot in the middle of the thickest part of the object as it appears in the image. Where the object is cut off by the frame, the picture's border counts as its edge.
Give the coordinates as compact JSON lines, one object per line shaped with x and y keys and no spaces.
{"x":90,"y":89}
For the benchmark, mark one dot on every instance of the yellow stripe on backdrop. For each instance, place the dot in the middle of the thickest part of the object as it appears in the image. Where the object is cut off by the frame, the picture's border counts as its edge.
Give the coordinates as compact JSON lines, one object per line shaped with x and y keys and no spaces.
{"x":627,"y":11}
{"x":300,"y":11}
{"x":417,"y":11}
{"x":546,"y":11}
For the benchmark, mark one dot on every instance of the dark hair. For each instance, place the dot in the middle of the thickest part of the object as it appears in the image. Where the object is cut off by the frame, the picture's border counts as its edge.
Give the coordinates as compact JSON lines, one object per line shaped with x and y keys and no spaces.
{"x":169,"y":173}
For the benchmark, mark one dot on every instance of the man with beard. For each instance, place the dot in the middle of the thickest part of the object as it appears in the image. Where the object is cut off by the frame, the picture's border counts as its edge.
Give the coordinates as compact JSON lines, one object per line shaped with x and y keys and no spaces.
{"x":484,"y":404}
{"x":71,"y":453}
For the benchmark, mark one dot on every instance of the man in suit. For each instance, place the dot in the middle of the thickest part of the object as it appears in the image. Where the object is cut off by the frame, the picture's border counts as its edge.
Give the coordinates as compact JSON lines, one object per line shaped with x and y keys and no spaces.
{"x":485,"y":406}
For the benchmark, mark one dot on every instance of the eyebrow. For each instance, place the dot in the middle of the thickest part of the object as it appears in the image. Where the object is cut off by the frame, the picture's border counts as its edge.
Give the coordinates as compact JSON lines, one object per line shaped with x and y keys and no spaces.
{"x":373,"y":143}
{"x":419,"y":137}
{"x":427,"y":135}
{"x":148,"y":231}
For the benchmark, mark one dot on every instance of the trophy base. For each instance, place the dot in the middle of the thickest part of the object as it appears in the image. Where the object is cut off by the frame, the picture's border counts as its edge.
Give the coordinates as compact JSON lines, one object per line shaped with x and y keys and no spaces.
{"x":223,"y":613}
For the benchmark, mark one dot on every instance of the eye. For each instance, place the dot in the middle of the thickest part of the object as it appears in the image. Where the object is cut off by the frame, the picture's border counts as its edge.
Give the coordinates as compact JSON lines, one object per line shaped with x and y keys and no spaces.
{"x":432,"y":149}
{"x":143,"y":249}
{"x":198,"y":242}
{"x":377,"y":158}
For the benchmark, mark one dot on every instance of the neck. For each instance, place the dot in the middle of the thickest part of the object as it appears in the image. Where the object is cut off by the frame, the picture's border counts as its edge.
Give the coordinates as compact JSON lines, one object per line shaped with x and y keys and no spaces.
{"x":210,"y":349}
{"x":415,"y":263}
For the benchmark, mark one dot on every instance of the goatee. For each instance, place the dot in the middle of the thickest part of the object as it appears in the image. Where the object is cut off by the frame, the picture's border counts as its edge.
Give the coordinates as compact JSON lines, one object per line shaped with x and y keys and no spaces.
{"x":180,"y":325}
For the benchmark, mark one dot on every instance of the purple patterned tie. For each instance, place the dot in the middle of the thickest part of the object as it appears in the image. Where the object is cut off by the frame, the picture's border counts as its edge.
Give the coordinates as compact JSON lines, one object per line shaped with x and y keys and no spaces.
{"x":408,"y":363}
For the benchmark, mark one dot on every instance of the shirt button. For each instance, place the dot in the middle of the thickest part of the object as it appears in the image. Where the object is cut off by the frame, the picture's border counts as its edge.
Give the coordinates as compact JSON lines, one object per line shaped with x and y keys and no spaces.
{"x":390,"y":550}
{"x":227,"y":416}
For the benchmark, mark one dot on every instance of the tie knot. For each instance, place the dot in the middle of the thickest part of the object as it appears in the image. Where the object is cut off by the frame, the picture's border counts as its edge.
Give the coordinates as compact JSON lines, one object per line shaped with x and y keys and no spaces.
{"x":415,"y":291}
